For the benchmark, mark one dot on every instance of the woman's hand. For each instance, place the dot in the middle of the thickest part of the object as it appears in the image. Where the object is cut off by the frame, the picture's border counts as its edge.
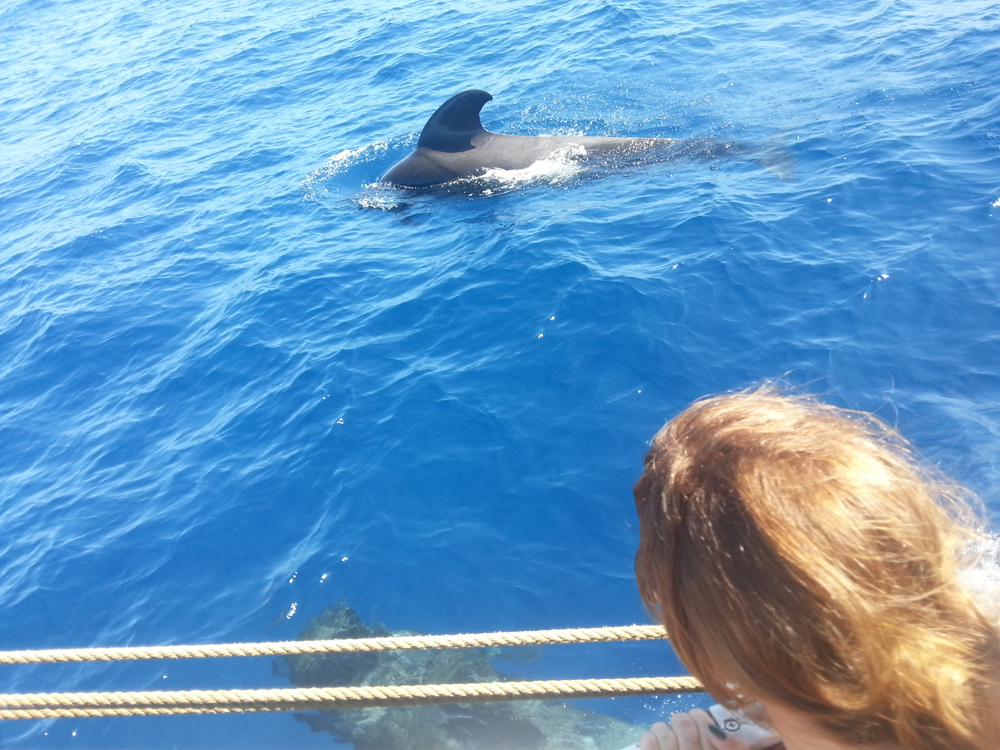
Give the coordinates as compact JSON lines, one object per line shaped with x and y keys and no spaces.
{"x":689,"y":731}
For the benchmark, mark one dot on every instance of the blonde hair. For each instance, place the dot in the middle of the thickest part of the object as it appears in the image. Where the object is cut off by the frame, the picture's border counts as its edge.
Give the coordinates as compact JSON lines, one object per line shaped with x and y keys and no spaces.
{"x":801,"y":552}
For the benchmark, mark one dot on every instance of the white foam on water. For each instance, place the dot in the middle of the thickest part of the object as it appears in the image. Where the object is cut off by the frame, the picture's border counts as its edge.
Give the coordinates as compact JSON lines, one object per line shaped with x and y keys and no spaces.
{"x":378,"y":196}
{"x":982,"y":579}
{"x":340,"y":163}
{"x":561,"y":165}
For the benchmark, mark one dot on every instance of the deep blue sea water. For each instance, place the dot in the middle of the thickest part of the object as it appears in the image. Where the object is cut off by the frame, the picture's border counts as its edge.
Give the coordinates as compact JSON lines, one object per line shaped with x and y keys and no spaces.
{"x":239,"y":383}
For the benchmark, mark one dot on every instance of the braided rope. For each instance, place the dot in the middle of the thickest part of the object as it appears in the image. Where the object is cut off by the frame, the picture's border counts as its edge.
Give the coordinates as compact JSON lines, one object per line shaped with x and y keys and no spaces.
{"x":58,"y":705}
{"x":286,"y":648}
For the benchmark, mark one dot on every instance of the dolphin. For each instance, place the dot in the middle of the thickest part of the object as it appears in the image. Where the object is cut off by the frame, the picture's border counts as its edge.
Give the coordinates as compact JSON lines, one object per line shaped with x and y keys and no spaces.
{"x":454,"y":144}
{"x":521,"y":725}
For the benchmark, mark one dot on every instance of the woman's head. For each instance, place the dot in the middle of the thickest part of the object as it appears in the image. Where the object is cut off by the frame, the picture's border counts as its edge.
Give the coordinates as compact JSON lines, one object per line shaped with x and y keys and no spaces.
{"x":801,"y":553}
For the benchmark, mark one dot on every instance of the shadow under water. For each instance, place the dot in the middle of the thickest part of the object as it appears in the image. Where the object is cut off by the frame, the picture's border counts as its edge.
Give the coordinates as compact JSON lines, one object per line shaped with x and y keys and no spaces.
{"x":517,"y":725}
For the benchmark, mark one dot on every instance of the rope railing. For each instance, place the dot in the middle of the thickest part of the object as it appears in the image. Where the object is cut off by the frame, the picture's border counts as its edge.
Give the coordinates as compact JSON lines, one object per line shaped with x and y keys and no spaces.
{"x":59,"y":705}
{"x":347,"y":645}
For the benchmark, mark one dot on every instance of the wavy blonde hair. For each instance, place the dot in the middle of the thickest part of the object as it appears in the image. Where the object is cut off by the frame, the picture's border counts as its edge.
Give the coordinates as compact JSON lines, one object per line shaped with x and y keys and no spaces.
{"x":803,"y":553}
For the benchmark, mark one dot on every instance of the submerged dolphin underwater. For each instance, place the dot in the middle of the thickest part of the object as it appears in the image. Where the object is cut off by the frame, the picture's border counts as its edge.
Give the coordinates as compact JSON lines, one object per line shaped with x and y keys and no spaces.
{"x":454,"y":145}
{"x":519,"y":725}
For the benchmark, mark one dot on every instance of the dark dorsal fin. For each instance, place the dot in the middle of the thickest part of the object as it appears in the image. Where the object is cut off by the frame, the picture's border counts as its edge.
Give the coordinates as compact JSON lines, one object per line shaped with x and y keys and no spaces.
{"x":455,"y":123}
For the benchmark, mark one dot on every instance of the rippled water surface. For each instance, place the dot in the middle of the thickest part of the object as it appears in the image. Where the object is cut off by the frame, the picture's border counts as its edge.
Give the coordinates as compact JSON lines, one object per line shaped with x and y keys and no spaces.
{"x":240,"y":383}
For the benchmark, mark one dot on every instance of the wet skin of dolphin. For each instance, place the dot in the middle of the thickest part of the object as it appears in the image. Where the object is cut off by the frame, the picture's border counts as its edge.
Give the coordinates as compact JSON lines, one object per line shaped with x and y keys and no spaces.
{"x":454,"y":144}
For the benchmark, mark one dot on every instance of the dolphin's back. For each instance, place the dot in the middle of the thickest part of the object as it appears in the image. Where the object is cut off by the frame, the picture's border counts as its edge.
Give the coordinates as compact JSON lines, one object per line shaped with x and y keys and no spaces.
{"x":454,"y":144}
{"x":421,"y":169}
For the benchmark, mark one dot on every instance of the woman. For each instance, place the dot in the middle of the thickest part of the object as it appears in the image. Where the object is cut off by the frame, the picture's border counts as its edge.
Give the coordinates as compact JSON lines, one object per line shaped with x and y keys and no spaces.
{"x":809,"y":568}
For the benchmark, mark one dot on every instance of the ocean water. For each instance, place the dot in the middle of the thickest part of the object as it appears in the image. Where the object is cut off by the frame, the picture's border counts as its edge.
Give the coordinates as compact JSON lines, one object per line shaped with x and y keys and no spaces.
{"x":239,"y":383}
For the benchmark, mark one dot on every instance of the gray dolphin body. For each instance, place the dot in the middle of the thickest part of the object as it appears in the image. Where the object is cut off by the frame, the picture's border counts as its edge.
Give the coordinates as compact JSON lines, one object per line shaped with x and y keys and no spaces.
{"x":454,"y":144}
{"x":520,"y":725}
